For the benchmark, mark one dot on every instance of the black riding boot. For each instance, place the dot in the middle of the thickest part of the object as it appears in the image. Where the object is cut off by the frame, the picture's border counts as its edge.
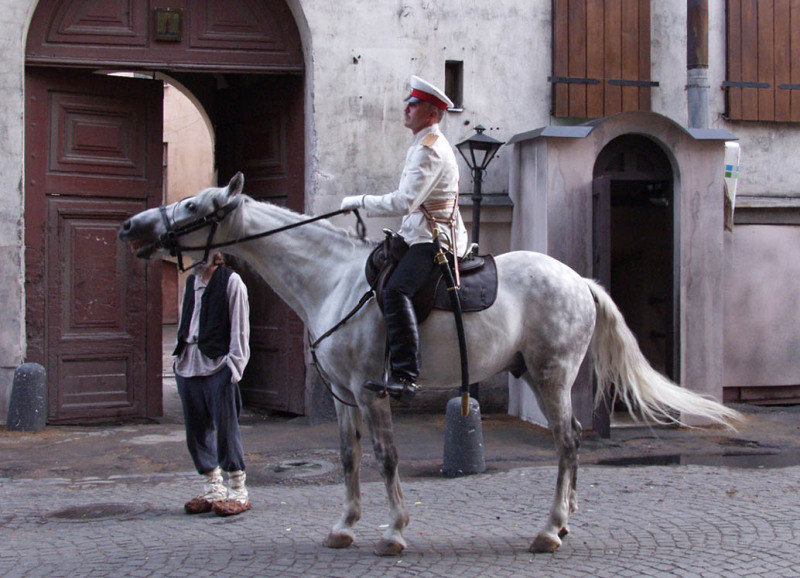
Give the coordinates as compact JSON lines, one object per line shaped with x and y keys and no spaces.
{"x":403,"y":337}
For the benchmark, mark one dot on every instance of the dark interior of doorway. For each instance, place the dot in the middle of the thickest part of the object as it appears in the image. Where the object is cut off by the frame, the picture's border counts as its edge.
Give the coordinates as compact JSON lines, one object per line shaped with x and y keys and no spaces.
{"x":259,"y":130}
{"x":641,"y":265}
{"x":640,"y":240}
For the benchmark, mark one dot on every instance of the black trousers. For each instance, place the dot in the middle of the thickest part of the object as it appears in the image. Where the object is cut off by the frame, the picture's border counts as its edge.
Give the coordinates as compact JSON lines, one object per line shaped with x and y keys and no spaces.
{"x":411,"y":274}
{"x":414,"y":270}
{"x":211,"y":406}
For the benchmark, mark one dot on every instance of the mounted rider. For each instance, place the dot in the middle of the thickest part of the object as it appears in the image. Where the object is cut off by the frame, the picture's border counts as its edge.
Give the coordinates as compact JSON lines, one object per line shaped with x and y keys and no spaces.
{"x":427,"y":198}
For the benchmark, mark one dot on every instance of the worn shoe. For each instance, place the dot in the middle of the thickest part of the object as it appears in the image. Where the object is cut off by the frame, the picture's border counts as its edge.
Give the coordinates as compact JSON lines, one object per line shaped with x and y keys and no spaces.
{"x":401,"y":389}
{"x":198,"y":505}
{"x":231,"y":507}
{"x":237,"y":500}
{"x":214,"y":491}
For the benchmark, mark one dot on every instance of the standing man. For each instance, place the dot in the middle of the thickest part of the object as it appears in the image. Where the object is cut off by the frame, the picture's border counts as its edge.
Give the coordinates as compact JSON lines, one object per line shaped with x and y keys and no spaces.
{"x":212,"y":352}
{"x":428,"y":200}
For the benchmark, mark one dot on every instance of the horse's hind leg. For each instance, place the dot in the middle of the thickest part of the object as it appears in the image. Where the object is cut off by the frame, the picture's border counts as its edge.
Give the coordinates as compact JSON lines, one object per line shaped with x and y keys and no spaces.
{"x":553,"y":394}
{"x":379,"y":420}
{"x":350,"y":428}
{"x":577,"y":431}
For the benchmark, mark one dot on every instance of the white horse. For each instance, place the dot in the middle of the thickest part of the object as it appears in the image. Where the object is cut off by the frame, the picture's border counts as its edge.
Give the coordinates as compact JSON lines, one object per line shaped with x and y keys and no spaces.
{"x":545,"y":315}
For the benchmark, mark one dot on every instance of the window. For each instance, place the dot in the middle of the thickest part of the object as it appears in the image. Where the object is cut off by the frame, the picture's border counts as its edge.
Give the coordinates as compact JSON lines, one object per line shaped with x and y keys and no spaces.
{"x":454,"y":82}
{"x":763,"y":80}
{"x":601,"y":57}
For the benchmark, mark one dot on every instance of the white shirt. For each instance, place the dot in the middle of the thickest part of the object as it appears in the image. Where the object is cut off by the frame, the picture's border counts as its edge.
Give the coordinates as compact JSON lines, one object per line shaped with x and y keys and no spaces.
{"x":430,"y":178}
{"x":192,"y":362}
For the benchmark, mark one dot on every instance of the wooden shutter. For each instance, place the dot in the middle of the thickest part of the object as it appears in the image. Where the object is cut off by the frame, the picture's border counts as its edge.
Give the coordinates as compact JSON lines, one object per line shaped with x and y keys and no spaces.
{"x":601,"y":57}
{"x":763,"y":60}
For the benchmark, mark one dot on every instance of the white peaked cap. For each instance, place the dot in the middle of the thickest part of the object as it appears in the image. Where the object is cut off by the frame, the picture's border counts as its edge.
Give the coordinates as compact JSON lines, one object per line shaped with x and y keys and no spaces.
{"x":425,"y":91}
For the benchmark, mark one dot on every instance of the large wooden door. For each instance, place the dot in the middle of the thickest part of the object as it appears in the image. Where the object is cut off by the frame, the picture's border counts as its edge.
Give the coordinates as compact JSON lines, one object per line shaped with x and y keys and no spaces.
{"x":93,"y":158}
{"x":260,"y":132}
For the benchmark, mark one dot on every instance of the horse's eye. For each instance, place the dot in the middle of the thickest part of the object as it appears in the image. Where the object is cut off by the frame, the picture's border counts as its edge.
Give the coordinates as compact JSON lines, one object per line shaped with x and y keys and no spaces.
{"x":191,"y":207}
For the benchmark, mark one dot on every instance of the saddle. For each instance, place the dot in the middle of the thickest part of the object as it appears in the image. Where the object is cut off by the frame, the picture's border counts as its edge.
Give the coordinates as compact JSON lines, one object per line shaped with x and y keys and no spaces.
{"x":478,"y":279}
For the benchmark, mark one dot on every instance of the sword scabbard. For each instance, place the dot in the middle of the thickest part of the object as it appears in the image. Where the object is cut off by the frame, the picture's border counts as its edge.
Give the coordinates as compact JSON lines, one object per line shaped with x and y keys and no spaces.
{"x":452,"y":288}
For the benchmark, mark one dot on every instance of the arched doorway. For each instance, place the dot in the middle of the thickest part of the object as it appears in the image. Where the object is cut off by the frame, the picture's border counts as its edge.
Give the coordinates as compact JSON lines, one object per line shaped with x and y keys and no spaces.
{"x":94,"y":157}
{"x":634,"y":242}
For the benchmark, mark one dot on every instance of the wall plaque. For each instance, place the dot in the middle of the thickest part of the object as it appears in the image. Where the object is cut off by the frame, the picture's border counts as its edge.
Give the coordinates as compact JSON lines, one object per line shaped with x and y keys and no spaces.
{"x":168,"y":24}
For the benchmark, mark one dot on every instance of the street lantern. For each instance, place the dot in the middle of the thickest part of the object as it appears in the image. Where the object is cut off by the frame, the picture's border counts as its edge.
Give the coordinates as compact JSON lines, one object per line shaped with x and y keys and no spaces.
{"x":478,"y":151}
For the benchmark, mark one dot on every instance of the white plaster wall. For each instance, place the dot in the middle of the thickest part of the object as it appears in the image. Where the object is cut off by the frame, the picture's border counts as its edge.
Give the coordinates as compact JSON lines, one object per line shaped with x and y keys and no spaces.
{"x":668,"y":59}
{"x":13,"y":27}
{"x":761,"y":349}
{"x":362,"y":59}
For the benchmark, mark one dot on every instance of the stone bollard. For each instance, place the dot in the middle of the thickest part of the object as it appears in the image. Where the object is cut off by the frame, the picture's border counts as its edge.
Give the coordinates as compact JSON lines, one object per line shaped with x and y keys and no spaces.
{"x":27,"y":409}
{"x":463,"y":440}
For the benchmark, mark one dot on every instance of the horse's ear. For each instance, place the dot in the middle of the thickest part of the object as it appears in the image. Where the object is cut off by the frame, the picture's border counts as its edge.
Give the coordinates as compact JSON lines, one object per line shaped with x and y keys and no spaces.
{"x":236,"y":185}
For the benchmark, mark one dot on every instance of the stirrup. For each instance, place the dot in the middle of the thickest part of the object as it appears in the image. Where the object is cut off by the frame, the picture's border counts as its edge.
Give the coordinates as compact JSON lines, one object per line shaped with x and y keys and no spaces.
{"x":401,"y":389}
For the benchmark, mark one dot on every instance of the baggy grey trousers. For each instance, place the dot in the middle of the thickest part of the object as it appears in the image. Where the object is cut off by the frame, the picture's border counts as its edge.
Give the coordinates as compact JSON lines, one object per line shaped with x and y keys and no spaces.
{"x":211,"y":406}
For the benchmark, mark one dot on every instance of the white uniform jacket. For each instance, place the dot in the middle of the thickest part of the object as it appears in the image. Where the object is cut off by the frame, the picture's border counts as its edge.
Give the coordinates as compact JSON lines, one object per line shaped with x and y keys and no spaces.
{"x":428,"y":186}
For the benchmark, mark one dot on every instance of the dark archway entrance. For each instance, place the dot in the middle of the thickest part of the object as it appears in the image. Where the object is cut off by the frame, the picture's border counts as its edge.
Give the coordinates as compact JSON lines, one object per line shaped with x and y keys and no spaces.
{"x":634,"y":242}
{"x":93,"y":146}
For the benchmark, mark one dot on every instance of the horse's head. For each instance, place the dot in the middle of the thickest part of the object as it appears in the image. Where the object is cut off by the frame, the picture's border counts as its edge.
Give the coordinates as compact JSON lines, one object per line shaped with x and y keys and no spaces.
{"x":186,"y":226}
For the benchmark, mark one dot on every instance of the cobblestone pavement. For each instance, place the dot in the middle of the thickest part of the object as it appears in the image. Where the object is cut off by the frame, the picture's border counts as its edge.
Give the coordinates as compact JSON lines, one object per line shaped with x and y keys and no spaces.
{"x":683,"y":520}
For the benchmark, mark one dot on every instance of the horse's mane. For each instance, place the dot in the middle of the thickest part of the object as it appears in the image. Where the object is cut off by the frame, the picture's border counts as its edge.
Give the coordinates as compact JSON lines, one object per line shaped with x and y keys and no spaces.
{"x":324,"y":224}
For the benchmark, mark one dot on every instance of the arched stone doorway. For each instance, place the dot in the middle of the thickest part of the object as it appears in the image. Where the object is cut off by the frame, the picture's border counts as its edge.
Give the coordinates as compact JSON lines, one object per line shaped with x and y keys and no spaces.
{"x":634,"y":242}
{"x":93,"y":157}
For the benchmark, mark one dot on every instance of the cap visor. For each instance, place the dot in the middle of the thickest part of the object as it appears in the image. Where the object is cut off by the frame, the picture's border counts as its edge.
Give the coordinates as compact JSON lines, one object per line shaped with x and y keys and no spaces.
{"x":413,"y":99}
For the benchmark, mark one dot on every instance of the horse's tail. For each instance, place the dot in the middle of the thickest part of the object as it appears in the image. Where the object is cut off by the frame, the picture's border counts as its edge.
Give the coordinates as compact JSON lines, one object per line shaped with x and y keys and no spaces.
{"x":619,"y":361}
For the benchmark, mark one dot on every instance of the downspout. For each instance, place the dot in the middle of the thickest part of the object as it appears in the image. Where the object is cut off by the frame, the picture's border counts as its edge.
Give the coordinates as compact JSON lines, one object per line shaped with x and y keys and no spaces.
{"x":697,"y":62}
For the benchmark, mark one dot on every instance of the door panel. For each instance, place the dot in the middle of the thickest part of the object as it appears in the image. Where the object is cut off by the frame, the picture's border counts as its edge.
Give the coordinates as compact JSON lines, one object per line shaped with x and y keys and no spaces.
{"x":260,"y":132}
{"x":94,"y":311}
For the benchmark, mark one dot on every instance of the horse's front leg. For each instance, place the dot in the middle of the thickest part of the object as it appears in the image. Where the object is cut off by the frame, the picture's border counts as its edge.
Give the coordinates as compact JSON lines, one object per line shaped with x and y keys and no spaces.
{"x":379,"y":420}
{"x":350,"y":427}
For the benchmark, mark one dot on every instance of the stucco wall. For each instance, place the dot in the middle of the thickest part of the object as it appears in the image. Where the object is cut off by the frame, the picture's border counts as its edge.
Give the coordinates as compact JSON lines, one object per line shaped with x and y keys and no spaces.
{"x":762,"y":335}
{"x":13,"y":26}
{"x":362,"y":60}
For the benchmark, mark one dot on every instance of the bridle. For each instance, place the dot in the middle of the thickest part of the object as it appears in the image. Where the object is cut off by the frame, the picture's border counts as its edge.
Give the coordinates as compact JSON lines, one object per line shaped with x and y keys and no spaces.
{"x":169,"y":240}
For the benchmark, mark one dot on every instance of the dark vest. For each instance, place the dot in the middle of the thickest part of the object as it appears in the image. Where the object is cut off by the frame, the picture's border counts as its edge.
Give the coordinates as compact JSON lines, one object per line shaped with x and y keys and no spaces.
{"x":215,"y":318}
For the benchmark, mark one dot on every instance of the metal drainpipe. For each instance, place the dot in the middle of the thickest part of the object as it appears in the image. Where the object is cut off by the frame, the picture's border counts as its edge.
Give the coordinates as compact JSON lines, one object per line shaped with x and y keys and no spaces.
{"x":697,"y":62}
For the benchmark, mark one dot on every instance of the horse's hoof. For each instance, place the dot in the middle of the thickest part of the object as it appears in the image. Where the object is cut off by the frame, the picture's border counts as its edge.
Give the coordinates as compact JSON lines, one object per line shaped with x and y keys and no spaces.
{"x":338,"y":540}
{"x":563,"y":531}
{"x":544,"y":544}
{"x":389,"y":548}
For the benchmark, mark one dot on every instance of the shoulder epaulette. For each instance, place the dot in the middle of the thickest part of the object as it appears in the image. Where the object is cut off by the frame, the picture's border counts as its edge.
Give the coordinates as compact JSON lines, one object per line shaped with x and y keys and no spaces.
{"x":430,"y":140}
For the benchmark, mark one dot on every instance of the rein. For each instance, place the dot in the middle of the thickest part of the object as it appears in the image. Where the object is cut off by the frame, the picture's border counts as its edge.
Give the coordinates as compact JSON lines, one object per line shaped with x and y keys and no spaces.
{"x":169,"y":240}
{"x":313,"y":346}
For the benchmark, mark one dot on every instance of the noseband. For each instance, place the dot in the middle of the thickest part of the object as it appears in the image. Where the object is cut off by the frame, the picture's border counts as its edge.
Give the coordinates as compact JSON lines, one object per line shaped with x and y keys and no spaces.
{"x":169,"y":240}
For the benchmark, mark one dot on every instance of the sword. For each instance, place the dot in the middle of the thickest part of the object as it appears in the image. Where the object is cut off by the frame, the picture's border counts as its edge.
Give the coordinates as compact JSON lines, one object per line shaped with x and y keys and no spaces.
{"x":455,"y":302}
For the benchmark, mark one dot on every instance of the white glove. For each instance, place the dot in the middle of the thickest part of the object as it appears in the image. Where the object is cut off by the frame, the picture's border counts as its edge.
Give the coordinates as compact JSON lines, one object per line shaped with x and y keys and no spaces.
{"x":351,"y":203}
